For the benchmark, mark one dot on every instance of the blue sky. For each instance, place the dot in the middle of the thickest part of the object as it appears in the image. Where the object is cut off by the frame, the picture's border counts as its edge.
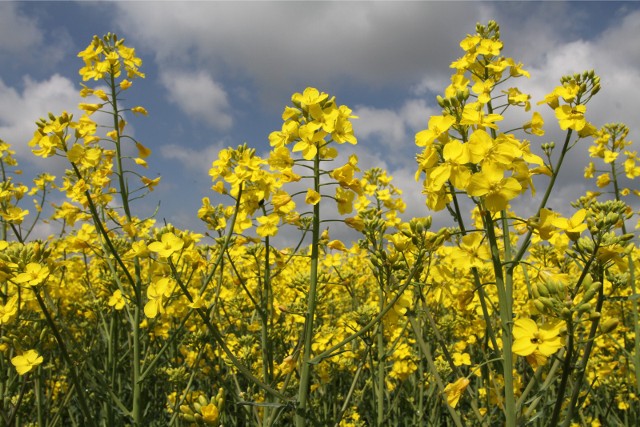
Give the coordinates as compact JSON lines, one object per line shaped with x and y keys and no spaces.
{"x":220,"y":73}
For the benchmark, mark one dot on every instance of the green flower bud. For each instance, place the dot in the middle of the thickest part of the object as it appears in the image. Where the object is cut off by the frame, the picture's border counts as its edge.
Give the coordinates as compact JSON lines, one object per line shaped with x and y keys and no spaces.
{"x":609,"y":325}
{"x":543,"y":290}
{"x":534,"y":291}
{"x":539,"y":305}
{"x":203,"y":400}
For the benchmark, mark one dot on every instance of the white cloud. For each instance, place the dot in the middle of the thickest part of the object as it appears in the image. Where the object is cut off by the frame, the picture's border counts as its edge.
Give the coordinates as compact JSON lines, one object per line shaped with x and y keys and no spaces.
{"x":18,"y":33}
{"x":283,"y":45}
{"x":23,"y":41}
{"x":196,"y":161}
{"x":199,"y":96}
{"x":392,"y":128}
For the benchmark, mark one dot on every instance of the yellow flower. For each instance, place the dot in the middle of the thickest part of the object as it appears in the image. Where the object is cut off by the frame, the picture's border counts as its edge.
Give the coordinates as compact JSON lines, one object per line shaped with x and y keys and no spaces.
{"x":309,"y":139}
{"x":438,"y":127}
{"x":603,"y":180}
{"x":454,"y":391}
{"x":33,"y":275}
{"x":345,"y":200}
{"x":169,"y":244}
{"x":540,"y":342}
{"x":156,"y":292}
{"x":209,"y":414}
{"x":534,"y":126}
{"x":116,"y":300}
{"x":456,"y":156}
{"x":460,"y":359}
{"x":571,"y":118}
{"x":472,"y":251}
{"x":268,"y":225}
{"x":337,"y":245}
{"x":9,"y":310}
{"x":491,"y":184}
{"x":312,"y":197}
{"x":14,"y":214}
{"x":573,"y":226}
{"x":26,"y":361}
{"x":139,"y":110}
{"x":310,"y":96}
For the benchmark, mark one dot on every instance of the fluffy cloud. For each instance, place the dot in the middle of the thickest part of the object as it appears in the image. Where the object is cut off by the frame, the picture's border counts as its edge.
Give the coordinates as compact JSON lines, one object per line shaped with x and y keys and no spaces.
{"x":199,"y":96}
{"x":197,"y":161}
{"x":24,"y":42}
{"x":18,"y":33}
{"x":281,"y":46}
{"x":393,"y":128}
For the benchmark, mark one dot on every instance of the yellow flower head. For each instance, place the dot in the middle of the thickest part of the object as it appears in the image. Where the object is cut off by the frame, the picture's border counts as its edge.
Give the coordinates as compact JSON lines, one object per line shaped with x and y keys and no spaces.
{"x":26,"y":361}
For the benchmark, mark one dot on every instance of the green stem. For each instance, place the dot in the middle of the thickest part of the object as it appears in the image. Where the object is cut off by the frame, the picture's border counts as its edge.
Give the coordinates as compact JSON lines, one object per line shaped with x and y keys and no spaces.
{"x":424,"y":347}
{"x":366,"y":328}
{"x":380,"y":372}
{"x":582,"y":366}
{"x":554,"y":176}
{"x":265,"y":312}
{"x":566,"y":370}
{"x":305,"y":371}
{"x":84,"y":408}
{"x":506,"y":319}
{"x":124,"y":191}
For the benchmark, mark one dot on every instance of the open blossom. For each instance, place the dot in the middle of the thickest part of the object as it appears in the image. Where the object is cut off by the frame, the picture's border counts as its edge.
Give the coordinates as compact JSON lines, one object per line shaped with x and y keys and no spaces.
{"x":169,"y":244}
{"x":33,"y":275}
{"x":26,"y":361}
{"x":537,"y":343}
{"x":454,"y":391}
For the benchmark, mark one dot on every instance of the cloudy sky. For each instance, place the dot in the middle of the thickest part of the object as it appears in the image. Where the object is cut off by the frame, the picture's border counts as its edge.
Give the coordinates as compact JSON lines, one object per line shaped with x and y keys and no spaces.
{"x":220,"y":73}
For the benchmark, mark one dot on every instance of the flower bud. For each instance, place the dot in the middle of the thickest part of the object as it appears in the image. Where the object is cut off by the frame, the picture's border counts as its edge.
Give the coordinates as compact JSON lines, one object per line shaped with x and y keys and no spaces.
{"x":609,"y":325}
{"x":203,"y":400}
{"x":591,"y":291}
{"x":539,"y":305}
{"x":594,"y":315}
{"x":534,"y":291}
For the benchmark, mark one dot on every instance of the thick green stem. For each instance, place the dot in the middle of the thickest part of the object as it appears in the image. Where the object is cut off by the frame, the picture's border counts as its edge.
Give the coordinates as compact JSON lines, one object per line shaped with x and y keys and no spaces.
{"x":506,"y":319}
{"x":305,"y":370}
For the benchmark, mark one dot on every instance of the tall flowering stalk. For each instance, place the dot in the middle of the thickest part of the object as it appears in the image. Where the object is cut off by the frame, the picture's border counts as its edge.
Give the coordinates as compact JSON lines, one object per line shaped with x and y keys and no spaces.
{"x":88,"y":184}
{"x":464,"y":154}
